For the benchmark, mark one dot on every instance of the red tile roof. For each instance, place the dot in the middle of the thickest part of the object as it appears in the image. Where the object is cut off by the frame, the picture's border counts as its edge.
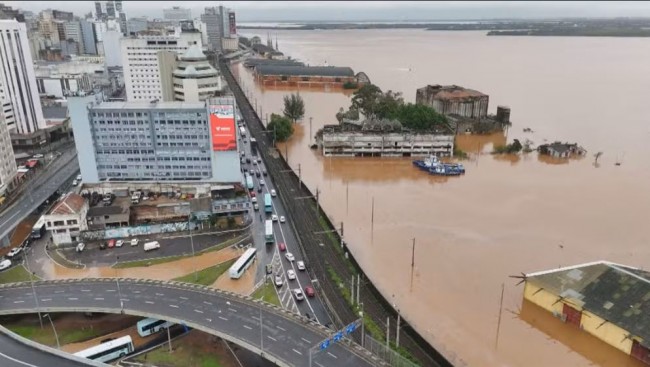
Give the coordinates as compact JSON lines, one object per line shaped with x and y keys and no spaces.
{"x":70,"y":204}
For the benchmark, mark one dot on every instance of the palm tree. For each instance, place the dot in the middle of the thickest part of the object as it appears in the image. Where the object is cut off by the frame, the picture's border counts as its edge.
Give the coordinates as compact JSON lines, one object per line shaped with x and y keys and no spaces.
{"x":294,"y":107}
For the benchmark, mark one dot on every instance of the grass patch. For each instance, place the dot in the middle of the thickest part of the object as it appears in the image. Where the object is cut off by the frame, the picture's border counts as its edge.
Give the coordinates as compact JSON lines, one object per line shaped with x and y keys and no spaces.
{"x":46,"y":335}
{"x":183,"y":356}
{"x":16,"y":274}
{"x":267,"y":294}
{"x":208,"y":275}
{"x":162,"y":260}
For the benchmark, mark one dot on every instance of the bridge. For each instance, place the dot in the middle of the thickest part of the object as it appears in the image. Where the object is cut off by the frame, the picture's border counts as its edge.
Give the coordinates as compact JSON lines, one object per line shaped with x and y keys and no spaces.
{"x":282,"y":337}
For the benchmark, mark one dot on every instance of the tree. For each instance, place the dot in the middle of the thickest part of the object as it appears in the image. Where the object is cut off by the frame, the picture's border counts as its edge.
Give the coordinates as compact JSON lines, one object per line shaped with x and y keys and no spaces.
{"x":387,"y":103}
{"x":365,"y":100}
{"x":294,"y":107}
{"x":281,"y":127}
{"x":417,"y":117}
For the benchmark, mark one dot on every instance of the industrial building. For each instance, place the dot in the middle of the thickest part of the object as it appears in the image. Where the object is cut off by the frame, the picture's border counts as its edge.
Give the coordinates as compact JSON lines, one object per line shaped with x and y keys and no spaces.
{"x":454,"y":100}
{"x":607,"y":300}
{"x":155,"y":141}
{"x":307,"y":76}
{"x":373,"y":138}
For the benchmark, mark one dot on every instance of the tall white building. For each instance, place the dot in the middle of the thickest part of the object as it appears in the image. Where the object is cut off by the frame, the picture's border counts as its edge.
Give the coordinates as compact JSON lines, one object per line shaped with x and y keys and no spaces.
{"x":176,"y":14}
{"x":141,"y":64}
{"x":7,"y":160}
{"x":17,"y":79}
{"x":195,"y":79}
{"x":111,"y":48}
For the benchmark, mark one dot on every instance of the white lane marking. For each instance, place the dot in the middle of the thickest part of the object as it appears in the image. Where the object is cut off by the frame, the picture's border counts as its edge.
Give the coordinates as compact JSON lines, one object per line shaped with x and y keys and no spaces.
{"x":297,"y":351}
{"x":183,"y":298}
{"x":255,"y":317}
{"x":159,"y":294}
{"x":223,"y":318}
{"x":17,"y":361}
{"x":207,"y":303}
{"x":8,"y":219}
{"x":59,"y":291}
{"x":248,"y":327}
{"x":124,"y":299}
{"x":198,"y":311}
{"x":28,"y":293}
{"x":73,"y":299}
{"x":209,"y":320}
{"x":306,"y":341}
{"x":272,"y":338}
{"x":319,"y":365}
{"x":19,"y":301}
{"x":45,"y":299}
{"x":173,"y":306}
{"x":281,"y":328}
{"x":99,"y":299}
{"x":149,"y":302}
{"x":111,"y":290}
{"x":232,"y":309}
{"x":136,"y":291}
{"x":85,"y":290}
{"x":332,"y":355}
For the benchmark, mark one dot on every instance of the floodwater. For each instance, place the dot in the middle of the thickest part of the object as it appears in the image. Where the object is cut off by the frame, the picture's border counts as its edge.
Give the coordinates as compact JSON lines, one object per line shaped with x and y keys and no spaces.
{"x":507,"y":214}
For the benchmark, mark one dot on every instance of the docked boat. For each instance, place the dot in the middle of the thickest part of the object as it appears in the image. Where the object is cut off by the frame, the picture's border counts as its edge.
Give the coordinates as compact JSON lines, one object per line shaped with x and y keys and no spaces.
{"x":433,"y":166}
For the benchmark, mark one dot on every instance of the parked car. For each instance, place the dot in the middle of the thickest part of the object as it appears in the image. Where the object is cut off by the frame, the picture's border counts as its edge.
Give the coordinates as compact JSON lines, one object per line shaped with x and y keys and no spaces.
{"x":291,"y":275}
{"x":151,"y":245}
{"x":254,"y":199}
{"x":119,"y":243}
{"x":289,"y":256}
{"x":253,"y":194}
{"x":4,"y":264}
{"x":282,"y":220}
{"x":309,"y":291}
{"x":278,"y":281}
{"x":15,"y":251}
{"x":282,"y":247}
{"x":134,"y":242}
{"x":102,"y":246}
{"x":80,"y":247}
{"x":273,"y":193}
{"x":111,"y":243}
{"x":298,"y":294}
{"x":301,"y":265}
{"x":274,"y":218}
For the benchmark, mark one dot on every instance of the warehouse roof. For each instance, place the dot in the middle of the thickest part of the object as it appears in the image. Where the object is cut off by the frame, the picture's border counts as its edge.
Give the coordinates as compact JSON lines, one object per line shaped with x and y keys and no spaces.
{"x":617,"y":293}
{"x":304,"y":70}
{"x":252,"y":62}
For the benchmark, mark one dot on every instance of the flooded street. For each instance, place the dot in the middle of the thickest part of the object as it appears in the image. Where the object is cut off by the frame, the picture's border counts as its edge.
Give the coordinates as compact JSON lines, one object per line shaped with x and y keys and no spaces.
{"x":506,"y":215}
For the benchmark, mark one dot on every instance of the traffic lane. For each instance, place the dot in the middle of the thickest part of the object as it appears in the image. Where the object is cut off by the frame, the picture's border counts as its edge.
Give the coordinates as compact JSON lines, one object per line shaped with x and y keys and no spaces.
{"x":16,"y":354}
{"x":284,"y":337}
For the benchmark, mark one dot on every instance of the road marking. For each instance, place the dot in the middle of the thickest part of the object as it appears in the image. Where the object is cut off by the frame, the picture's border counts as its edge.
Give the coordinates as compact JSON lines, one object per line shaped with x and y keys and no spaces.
{"x":17,"y":361}
{"x":73,"y":299}
{"x":332,"y":355}
{"x":19,"y":301}
{"x":198,"y":311}
{"x":173,"y":306}
{"x":255,"y":317}
{"x":232,"y":309}
{"x":111,"y":290}
{"x":281,"y":328}
{"x":320,"y":365}
{"x":184,"y":298}
{"x":149,"y":302}
{"x":59,"y":291}
{"x":85,"y":290}
{"x":248,"y":327}
{"x":297,"y":351}
{"x":124,"y":299}
{"x":159,"y":294}
{"x":28,"y":293}
{"x":136,"y":291}
{"x":207,"y":303}
{"x":306,"y":341}
{"x":45,"y":299}
{"x":223,"y":318}
{"x":272,"y":338}
{"x":99,"y":299}
{"x":3,"y":223}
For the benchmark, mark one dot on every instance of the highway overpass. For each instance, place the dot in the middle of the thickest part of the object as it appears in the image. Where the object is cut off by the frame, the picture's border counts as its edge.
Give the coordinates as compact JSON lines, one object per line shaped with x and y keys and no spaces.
{"x":282,"y":337}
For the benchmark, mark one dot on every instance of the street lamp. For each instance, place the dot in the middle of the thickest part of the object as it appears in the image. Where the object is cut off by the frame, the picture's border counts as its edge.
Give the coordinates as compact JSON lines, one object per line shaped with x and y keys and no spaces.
{"x":189,"y":224}
{"x":363,"y":333}
{"x":56,"y":336}
{"x":31,"y":280}
{"x":119,"y":291}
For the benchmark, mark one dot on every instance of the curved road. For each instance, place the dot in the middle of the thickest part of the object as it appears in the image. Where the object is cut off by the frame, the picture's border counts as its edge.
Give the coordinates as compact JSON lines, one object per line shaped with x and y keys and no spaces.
{"x":16,"y":354}
{"x":283,"y":337}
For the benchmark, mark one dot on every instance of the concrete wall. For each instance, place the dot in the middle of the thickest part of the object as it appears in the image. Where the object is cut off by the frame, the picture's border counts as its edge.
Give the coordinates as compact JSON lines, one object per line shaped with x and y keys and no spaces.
{"x":142,"y":230}
{"x":393,"y":144}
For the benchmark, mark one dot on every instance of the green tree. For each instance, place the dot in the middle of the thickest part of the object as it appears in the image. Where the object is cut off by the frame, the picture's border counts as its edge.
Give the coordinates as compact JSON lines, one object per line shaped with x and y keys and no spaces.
{"x":294,"y":107}
{"x":281,"y":127}
{"x":387,"y":103}
{"x":417,"y":117}
{"x":365,"y":100}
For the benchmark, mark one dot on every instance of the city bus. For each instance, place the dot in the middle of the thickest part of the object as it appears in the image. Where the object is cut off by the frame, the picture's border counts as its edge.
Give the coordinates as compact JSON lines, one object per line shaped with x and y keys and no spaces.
{"x":242,"y":132}
{"x":150,"y":326}
{"x":249,"y":182}
{"x":268,"y":204}
{"x":38,"y":230}
{"x":240,"y":266}
{"x":268,"y":234}
{"x":108,"y":351}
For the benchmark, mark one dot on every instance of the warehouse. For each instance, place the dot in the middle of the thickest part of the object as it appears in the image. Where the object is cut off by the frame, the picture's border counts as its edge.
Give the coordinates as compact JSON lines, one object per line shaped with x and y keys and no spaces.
{"x":307,"y":76}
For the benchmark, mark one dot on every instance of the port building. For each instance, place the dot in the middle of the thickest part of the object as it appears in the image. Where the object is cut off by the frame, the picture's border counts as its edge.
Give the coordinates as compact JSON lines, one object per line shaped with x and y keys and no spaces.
{"x":304,"y":76}
{"x":454,"y":100}
{"x":607,"y":300}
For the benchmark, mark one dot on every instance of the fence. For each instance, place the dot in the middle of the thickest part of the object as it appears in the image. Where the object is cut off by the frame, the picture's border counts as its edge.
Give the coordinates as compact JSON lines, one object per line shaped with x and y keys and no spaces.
{"x":386,"y":354}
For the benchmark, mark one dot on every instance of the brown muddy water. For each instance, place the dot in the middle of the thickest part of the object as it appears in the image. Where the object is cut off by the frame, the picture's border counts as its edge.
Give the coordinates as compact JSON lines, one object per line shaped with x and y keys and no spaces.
{"x":507,"y":214}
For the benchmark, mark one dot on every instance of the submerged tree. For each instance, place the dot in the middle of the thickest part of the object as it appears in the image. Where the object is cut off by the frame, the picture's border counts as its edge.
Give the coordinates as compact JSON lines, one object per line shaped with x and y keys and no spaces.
{"x":281,"y":127}
{"x":294,"y":107}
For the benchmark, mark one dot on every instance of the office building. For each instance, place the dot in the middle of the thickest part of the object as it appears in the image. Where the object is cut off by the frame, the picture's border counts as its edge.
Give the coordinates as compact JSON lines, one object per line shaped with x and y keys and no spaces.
{"x":111,"y":40}
{"x":8,"y":167}
{"x":110,"y":9}
{"x":213,"y":28}
{"x":176,"y":14}
{"x":163,"y":141}
{"x":73,"y":32}
{"x":99,"y":13}
{"x":141,"y":63}
{"x":194,"y":78}
{"x":88,"y":37}
{"x":135,"y":25}
{"x":17,"y":79}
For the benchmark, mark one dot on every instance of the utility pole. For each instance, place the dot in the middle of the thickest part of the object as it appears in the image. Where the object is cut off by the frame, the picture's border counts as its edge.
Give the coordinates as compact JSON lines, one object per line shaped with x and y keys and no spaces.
{"x":412,"y":263}
{"x":317,"y":201}
{"x":496,"y":340}
{"x":310,"y":134}
{"x":299,"y":177}
{"x":372,"y":220}
{"x":388,"y":332}
{"x":189,"y":225}
{"x":31,"y":280}
{"x":267,"y":119}
{"x":119,"y":292}
{"x":358,"y":286}
{"x":169,"y":339}
{"x":56,"y":335}
{"x":347,"y":198}
{"x":363,"y":332}
{"x":397,"y":328}
{"x":352,"y":290}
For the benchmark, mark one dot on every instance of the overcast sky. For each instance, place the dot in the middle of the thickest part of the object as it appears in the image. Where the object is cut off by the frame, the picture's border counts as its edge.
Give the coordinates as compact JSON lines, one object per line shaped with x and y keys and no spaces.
{"x":248,"y":11}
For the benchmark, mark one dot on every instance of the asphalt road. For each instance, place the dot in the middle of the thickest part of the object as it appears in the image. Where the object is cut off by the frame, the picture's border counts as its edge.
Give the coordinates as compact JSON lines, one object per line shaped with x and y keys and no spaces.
{"x":282,"y":337}
{"x":16,"y":354}
{"x":38,"y":190}
{"x":269,"y":254}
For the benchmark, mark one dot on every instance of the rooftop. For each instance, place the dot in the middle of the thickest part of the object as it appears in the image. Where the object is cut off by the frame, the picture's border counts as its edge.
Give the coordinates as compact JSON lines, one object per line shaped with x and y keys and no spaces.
{"x":55,"y":112}
{"x":194,"y":52}
{"x":304,"y":70}
{"x":71,"y":203}
{"x":98,"y":211}
{"x":617,"y":293}
{"x":252,"y":62}
{"x":148,"y":105}
{"x":451,"y":92}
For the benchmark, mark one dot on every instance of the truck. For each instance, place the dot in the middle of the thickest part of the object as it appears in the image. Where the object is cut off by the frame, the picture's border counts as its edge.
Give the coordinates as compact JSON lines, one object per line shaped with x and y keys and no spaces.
{"x":249,"y":182}
{"x":151,"y":245}
{"x":253,"y":146}
{"x":242,"y":132}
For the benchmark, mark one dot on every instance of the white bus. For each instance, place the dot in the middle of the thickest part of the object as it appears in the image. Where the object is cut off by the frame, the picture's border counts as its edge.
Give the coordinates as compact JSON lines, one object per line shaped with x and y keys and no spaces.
{"x":108,"y":351}
{"x":150,"y":326}
{"x":240,"y":266}
{"x":39,"y":228}
{"x":242,"y":132}
{"x":268,"y":235}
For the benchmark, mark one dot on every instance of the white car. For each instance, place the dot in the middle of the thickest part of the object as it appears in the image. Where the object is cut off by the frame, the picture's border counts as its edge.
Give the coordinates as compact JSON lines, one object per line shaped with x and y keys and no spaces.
{"x":4,"y":264}
{"x":262,"y":182}
{"x":282,"y":220}
{"x":80,"y":247}
{"x":254,"y":199}
{"x":278,"y":281}
{"x":274,"y":218}
{"x":291,"y":275}
{"x":301,"y":265}
{"x":119,"y":243}
{"x":273,"y":193}
{"x":289,"y":256}
{"x":298,"y":294}
{"x":15,"y":251}
{"x":78,"y":177}
{"x":134,"y":242}
{"x":75,"y":183}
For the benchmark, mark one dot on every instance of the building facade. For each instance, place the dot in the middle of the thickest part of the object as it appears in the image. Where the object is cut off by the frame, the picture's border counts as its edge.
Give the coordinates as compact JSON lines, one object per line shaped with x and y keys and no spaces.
{"x":89,"y":38}
{"x":307,"y":76}
{"x":135,"y":25}
{"x":17,"y":79}
{"x":163,"y":141}
{"x":67,"y":219}
{"x":141,"y":66}
{"x":213,"y":27}
{"x":194,"y":79}
{"x":73,"y":32}
{"x":176,"y":14}
{"x":111,"y":44}
{"x":7,"y":160}
{"x":454,"y":100}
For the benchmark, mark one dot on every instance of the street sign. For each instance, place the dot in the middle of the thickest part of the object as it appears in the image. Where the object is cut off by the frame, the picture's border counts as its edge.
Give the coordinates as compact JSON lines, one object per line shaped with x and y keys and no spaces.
{"x":325,"y":344}
{"x":350,"y":328}
{"x":338,"y":336}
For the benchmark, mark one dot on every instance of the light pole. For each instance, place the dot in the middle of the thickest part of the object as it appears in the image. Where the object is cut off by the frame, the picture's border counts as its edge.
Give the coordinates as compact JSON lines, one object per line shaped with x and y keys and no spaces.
{"x":31,"y":280}
{"x":363,"y":333}
{"x":261,"y":330}
{"x":56,"y":336}
{"x":119,"y":291}
{"x":310,"y":134}
{"x":189,"y":225}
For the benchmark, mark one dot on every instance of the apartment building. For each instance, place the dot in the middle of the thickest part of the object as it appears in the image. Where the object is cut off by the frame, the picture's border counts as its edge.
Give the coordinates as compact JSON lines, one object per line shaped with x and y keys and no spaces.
{"x":7,"y":160}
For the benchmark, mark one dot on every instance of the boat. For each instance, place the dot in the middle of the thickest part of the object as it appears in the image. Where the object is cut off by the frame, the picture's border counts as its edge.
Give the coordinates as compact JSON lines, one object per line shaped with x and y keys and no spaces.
{"x":433,"y":166}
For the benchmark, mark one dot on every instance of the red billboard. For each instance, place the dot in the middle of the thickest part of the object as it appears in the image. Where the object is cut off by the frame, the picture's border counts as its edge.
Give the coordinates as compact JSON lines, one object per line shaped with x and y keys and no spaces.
{"x":222,"y":128}
{"x":232,"y":23}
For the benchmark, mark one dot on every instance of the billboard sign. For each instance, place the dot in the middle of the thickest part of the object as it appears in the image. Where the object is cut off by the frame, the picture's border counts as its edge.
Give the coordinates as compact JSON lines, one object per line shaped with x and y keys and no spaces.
{"x":232,"y":23}
{"x":222,"y":127}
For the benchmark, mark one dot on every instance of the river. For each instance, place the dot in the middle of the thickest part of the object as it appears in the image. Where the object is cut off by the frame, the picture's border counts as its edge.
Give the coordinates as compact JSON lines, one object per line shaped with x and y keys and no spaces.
{"x":506,"y":215}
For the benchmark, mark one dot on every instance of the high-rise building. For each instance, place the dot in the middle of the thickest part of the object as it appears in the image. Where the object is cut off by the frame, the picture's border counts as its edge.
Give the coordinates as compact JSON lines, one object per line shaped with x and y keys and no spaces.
{"x":213,"y":27}
{"x":176,"y":14}
{"x":135,"y":25}
{"x":123,"y":25}
{"x":177,"y":141}
{"x":141,"y":63}
{"x":194,"y":78}
{"x":118,"y":6}
{"x":7,"y":12}
{"x":110,"y":9}
{"x":99,"y":14}
{"x":62,"y":15}
{"x":17,"y":79}
{"x":73,"y":32}
{"x":7,"y":160}
{"x":89,"y":38}
{"x":112,"y":50}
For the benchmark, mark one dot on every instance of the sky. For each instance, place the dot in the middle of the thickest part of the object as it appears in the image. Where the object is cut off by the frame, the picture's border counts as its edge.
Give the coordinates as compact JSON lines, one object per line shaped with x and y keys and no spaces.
{"x":297,"y":11}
